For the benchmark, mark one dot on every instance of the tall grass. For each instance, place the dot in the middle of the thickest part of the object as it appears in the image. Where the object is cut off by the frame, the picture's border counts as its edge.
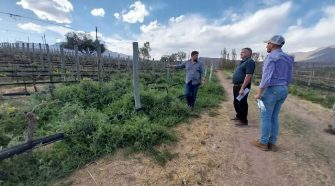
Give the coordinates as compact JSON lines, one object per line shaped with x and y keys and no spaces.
{"x":322,"y":97}
{"x":97,"y":118}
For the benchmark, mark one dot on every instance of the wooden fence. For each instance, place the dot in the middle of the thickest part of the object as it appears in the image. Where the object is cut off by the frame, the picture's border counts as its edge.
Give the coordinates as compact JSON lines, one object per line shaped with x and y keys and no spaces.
{"x":33,"y":64}
{"x":314,"y":75}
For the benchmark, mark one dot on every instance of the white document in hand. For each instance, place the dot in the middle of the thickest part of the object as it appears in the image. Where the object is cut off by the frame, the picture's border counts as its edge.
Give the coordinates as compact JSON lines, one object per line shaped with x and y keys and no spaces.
{"x":245,"y":92}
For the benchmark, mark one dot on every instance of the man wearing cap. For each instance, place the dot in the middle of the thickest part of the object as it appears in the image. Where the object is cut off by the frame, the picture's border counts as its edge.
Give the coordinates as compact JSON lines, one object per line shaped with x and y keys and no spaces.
{"x":273,"y":90}
{"x":242,"y":80}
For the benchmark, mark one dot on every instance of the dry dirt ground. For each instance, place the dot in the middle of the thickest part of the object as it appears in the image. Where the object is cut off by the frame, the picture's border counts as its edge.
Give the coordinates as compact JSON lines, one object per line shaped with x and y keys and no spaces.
{"x":213,"y":151}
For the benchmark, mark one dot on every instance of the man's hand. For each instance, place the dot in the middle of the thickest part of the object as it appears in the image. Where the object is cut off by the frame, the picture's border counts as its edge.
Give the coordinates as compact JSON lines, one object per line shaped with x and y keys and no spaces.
{"x":241,"y":92}
{"x":203,"y":81}
{"x":257,"y":96}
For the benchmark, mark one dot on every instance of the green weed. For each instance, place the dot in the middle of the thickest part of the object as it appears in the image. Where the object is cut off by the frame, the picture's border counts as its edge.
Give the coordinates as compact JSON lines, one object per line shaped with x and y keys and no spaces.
{"x":96,"y":119}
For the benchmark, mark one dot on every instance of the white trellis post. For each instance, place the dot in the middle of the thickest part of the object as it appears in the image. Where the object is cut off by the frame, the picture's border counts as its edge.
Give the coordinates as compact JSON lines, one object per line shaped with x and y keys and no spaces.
{"x":136,"y":76}
{"x":77,"y":63}
{"x":211,"y":72}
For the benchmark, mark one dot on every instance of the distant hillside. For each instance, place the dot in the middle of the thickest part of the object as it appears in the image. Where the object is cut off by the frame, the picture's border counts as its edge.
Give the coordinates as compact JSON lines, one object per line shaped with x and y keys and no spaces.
{"x":321,"y":55}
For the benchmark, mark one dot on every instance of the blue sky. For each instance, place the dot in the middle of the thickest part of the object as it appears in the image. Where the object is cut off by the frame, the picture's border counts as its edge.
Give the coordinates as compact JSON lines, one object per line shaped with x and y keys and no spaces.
{"x":174,"y":25}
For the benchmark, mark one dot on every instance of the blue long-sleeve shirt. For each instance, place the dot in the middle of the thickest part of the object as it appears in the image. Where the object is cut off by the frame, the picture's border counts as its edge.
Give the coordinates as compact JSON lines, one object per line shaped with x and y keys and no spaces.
{"x":277,"y":69}
{"x":194,"y":71}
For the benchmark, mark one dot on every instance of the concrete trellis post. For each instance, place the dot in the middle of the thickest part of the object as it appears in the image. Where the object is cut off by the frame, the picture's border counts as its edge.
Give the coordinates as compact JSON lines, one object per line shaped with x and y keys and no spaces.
{"x":210,"y":74}
{"x":62,"y":63}
{"x":41,"y":55}
{"x":51,"y":87}
{"x":136,"y":76}
{"x":77,"y":62}
{"x":99,"y":62}
{"x":334,"y":116}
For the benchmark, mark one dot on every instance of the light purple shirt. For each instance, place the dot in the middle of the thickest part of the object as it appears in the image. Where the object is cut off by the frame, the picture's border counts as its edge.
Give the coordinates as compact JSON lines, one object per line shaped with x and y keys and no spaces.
{"x":277,"y":69}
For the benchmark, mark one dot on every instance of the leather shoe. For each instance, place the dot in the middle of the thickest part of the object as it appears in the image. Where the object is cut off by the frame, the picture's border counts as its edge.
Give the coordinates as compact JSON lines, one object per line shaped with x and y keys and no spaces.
{"x":241,"y":124}
{"x":260,"y":145}
{"x":272,"y":147}
{"x":235,"y":119}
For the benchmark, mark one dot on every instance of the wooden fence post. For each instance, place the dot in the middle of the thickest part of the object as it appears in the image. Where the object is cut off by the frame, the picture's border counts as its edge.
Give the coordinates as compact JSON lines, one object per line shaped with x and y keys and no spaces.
{"x":128,"y":64}
{"x":77,"y":62}
{"x":62,"y":63}
{"x":211,"y":73}
{"x":167,"y":71}
{"x":136,"y":77}
{"x":41,"y":56}
{"x":23,"y":51}
{"x":99,"y":62}
{"x":153,"y":66}
{"x":310,"y":78}
{"x":118,"y":61}
{"x":35,"y":66}
{"x":51,"y":86}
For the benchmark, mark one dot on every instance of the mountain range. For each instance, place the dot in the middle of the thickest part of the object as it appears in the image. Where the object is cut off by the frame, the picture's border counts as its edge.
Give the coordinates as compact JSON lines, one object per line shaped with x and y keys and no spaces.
{"x":320,"y":55}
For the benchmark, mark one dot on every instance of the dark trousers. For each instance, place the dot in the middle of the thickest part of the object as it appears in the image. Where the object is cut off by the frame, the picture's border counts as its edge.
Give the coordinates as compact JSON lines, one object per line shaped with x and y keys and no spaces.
{"x":241,"y":107}
{"x":191,"y":93}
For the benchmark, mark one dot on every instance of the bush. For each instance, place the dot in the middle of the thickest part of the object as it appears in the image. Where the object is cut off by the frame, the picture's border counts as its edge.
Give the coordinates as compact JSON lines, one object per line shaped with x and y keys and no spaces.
{"x":324,"y":98}
{"x":97,"y":118}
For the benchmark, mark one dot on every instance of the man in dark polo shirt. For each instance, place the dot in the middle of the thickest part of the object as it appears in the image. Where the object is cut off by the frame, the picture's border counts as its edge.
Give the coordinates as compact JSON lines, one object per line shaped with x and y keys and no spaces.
{"x":241,"y":80}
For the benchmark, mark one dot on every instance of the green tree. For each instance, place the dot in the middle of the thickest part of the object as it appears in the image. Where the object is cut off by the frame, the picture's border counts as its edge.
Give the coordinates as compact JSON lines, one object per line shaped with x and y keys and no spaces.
{"x":233,"y":55}
{"x":255,"y":56}
{"x":145,"y":50}
{"x":85,"y":42}
{"x":181,"y":55}
{"x":165,"y":58}
{"x":173,"y":57}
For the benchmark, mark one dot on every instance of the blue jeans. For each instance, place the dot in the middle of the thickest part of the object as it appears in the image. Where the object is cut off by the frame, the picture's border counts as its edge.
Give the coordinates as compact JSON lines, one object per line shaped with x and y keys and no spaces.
{"x":191,"y":93}
{"x":273,"y":98}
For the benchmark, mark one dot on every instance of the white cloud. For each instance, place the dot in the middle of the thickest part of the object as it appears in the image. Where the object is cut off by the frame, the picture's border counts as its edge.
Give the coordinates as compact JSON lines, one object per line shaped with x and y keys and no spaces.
{"x":194,"y":32}
{"x":42,"y":29}
{"x":98,"y":34}
{"x":136,"y":13}
{"x":31,"y":27}
{"x":176,"y":19}
{"x":209,"y":37}
{"x":118,"y":44}
{"x":53,"y":10}
{"x":152,"y":26}
{"x":299,"y":38}
{"x":98,"y":12}
{"x":0,"y":19}
{"x":58,"y":29}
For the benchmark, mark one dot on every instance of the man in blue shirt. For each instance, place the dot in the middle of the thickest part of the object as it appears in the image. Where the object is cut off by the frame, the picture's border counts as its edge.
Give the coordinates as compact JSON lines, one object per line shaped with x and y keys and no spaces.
{"x":194,"y":71}
{"x":273,"y":90}
{"x":242,"y":79}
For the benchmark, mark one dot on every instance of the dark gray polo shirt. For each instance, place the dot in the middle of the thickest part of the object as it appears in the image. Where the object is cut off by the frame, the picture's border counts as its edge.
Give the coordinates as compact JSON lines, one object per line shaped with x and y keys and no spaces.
{"x":245,"y":67}
{"x":194,"y":72}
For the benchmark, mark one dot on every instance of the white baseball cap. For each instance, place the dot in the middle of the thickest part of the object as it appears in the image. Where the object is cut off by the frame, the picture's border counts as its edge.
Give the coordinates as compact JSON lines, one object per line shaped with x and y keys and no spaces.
{"x":277,"y":40}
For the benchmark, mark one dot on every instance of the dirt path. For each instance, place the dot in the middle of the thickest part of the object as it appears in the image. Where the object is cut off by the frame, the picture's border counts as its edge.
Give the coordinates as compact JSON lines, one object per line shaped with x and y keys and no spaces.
{"x":212,"y":151}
